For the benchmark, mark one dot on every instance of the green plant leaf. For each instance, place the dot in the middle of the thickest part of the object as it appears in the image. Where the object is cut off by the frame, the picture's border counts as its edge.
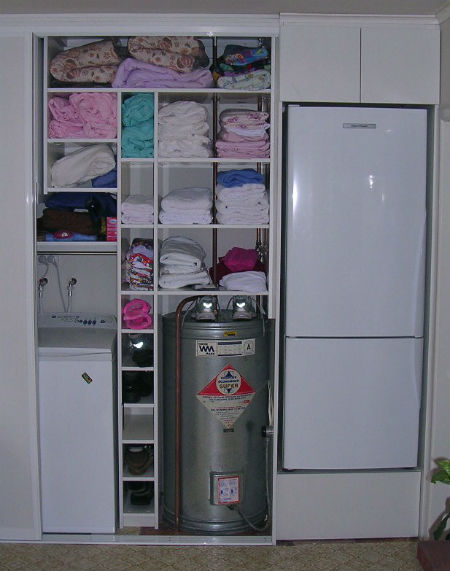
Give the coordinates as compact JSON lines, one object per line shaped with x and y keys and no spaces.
{"x":443,"y":473}
{"x":441,"y":527}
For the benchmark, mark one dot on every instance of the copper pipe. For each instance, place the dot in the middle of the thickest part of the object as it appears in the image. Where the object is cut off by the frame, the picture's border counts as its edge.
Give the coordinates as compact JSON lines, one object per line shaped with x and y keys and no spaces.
{"x":178,"y":406}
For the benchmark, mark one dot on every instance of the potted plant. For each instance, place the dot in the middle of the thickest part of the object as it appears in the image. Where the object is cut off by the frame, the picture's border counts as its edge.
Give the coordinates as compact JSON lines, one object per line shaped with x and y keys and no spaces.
{"x":434,"y":554}
{"x":442,"y":474}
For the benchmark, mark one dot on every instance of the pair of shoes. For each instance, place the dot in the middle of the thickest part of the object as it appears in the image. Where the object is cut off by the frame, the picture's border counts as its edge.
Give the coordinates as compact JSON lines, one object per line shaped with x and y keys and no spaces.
{"x":136,"y":384}
{"x":141,"y":493}
{"x":139,"y":347}
{"x":138,"y":458}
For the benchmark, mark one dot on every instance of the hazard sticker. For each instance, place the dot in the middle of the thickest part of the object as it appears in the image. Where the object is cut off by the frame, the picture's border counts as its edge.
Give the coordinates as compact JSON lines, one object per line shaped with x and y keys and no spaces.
{"x":228,"y":490}
{"x":227,"y":395}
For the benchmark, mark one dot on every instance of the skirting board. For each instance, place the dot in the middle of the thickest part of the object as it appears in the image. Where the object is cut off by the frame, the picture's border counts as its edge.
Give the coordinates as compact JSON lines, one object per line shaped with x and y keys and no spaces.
{"x":347,"y":505}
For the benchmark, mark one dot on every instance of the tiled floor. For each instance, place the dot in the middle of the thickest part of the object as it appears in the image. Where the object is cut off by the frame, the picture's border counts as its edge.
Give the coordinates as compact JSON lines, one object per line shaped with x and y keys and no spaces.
{"x":389,"y":555}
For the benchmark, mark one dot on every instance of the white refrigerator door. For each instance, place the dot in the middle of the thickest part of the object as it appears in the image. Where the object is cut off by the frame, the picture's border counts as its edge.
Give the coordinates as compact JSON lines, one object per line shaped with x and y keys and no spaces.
{"x":356,"y":181}
{"x":351,"y":403}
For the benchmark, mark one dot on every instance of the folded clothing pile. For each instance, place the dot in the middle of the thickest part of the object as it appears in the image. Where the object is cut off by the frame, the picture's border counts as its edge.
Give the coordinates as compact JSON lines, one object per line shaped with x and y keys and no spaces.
{"x":242,"y":67}
{"x":241,"y":197}
{"x":182,"y":263}
{"x":76,"y":216}
{"x":82,"y":165}
{"x":190,"y":205}
{"x":133,"y":73}
{"x":96,"y":62}
{"x":249,"y":281}
{"x":164,"y":61}
{"x":180,"y":53}
{"x":183,"y":130}
{"x":136,"y":314}
{"x":137,"y":126}
{"x":137,"y":209}
{"x":241,"y":269}
{"x":139,"y":265}
{"x":83,"y":115}
{"x":243,"y":134}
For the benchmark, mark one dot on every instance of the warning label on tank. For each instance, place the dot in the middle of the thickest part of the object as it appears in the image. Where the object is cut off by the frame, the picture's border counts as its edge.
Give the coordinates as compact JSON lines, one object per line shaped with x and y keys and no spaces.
{"x":235,"y":348}
{"x":227,"y":395}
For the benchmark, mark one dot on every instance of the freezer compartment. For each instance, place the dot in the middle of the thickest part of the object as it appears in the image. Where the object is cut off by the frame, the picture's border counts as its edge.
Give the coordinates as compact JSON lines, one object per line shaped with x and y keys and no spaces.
{"x":351,"y":403}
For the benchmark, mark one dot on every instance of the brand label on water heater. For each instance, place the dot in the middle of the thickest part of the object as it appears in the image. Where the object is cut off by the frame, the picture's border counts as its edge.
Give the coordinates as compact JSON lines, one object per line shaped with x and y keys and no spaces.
{"x":235,"y":348}
{"x":227,"y":395}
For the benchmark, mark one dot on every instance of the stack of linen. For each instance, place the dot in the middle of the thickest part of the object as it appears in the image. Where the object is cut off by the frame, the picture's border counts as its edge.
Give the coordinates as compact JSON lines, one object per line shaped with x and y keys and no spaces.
{"x":96,"y":62}
{"x":241,"y":197}
{"x":242,"y":67}
{"x":82,"y":165}
{"x":137,"y":209}
{"x":164,"y":61}
{"x":83,"y":115}
{"x":184,"y":130}
{"x":243,"y":134}
{"x":190,"y":205}
{"x":137,"y":130}
{"x":247,"y":281}
{"x":182,"y":263}
{"x":139,"y":265}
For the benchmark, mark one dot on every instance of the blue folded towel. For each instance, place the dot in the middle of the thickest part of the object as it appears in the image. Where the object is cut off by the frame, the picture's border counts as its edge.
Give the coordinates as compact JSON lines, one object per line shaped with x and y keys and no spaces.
{"x":238,"y":177}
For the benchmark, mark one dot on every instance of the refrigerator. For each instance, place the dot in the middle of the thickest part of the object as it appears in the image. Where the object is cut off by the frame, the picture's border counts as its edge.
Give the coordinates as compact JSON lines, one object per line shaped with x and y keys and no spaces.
{"x":354,"y":281}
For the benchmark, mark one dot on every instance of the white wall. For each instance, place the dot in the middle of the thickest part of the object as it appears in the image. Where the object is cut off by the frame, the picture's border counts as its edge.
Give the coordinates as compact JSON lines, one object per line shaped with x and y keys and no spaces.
{"x":95,"y":290}
{"x":438,"y":425}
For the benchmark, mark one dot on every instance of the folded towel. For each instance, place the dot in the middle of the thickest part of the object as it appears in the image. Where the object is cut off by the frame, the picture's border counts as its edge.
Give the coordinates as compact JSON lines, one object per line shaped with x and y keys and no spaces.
{"x":137,"y":141}
{"x":133,"y":73}
{"x":137,"y":108}
{"x":237,"y":177}
{"x":252,"y":80}
{"x":82,"y":165}
{"x":190,"y":198}
{"x":250,"y":282}
{"x":174,"y":281}
{"x":237,"y":218}
{"x":181,"y":250}
{"x":186,"y":217}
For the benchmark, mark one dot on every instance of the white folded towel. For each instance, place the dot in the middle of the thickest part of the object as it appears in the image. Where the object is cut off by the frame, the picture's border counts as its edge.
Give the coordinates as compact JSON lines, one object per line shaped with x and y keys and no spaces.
{"x":244,"y":207}
{"x":137,"y":202}
{"x":244,"y":192}
{"x":181,"y":113}
{"x":174,"y":281}
{"x":82,"y":165}
{"x":190,"y":198}
{"x":183,"y":251}
{"x":236,"y":218}
{"x":186,"y":217}
{"x":250,"y":282}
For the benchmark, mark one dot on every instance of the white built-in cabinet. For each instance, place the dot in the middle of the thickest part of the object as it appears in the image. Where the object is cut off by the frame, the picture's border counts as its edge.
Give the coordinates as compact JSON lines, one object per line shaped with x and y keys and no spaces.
{"x":359,"y":60}
{"x":155,"y":176}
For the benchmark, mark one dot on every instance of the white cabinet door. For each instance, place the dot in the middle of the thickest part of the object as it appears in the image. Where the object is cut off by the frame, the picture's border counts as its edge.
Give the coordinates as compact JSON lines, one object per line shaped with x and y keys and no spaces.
{"x":19,"y":490}
{"x":400,"y":64}
{"x":319,"y":62}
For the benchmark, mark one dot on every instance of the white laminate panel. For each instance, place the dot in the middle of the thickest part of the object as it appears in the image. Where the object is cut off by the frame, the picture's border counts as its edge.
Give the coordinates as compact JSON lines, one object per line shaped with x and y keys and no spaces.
{"x":19,"y":489}
{"x":319,"y":62}
{"x":347,"y":505}
{"x":400,"y":64}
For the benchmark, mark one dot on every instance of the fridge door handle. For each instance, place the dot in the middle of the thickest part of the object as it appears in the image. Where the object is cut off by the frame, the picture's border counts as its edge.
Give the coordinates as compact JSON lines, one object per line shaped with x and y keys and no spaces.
{"x":419,"y":282}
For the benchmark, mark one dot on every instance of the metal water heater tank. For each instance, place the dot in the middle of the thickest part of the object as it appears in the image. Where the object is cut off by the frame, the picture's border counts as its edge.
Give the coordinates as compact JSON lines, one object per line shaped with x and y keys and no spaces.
{"x":222,"y":469}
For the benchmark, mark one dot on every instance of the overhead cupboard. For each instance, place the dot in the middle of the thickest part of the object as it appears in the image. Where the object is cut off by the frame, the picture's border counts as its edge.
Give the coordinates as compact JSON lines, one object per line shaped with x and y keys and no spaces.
{"x":156,"y":136}
{"x":359,"y":60}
